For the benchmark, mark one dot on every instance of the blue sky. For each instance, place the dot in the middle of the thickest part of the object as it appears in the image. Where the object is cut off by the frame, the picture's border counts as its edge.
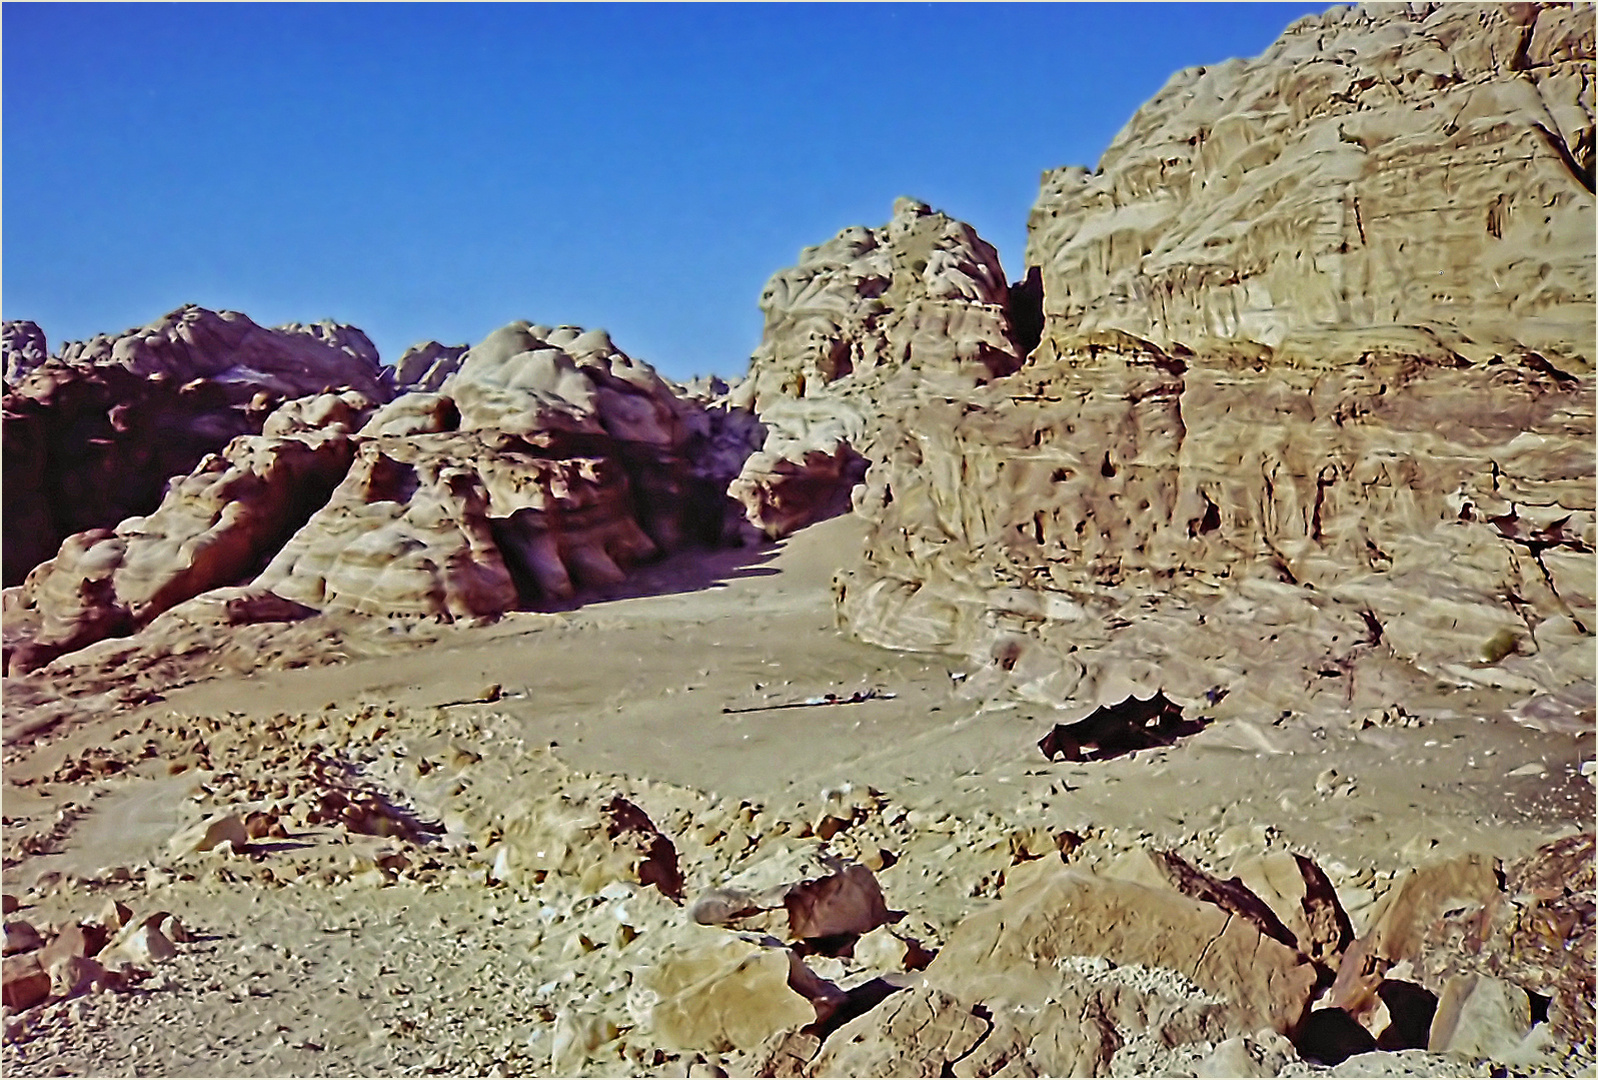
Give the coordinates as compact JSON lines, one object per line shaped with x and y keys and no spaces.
{"x":435,"y":171}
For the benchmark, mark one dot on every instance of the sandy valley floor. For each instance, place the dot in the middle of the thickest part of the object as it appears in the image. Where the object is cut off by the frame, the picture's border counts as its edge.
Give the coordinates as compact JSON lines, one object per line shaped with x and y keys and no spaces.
{"x":400,"y":942}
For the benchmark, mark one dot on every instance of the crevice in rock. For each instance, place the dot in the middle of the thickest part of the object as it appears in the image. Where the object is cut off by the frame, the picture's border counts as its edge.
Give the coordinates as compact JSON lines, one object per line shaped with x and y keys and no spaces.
{"x":1024,"y":308}
{"x":1581,"y":169}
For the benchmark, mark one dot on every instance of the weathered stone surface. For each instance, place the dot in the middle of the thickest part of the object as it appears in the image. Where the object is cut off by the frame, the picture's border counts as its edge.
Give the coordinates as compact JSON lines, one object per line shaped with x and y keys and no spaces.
{"x":595,"y":839}
{"x":22,"y":348}
{"x":549,"y":461}
{"x":868,"y":315}
{"x":1254,"y":438}
{"x":1023,"y":947}
{"x":787,"y":487}
{"x":1399,"y":926}
{"x":920,"y":1032}
{"x":1429,"y":165}
{"x":1480,"y":1017}
{"x":21,"y":937}
{"x":26,"y":983}
{"x":718,"y":992}
{"x":849,"y":902}
{"x":1537,"y":933}
{"x":922,"y":293}
{"x":209,"y":834}
{"x":215,"y":527}
{"x":1300,"y":894}
{"x":423,"y":368}
{"x":92,"y":435}
{"x":1114,"y":519}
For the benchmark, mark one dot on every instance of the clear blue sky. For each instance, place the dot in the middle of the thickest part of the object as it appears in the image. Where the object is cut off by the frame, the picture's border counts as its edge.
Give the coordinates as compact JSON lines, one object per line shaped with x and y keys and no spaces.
{"x":429,"y":171}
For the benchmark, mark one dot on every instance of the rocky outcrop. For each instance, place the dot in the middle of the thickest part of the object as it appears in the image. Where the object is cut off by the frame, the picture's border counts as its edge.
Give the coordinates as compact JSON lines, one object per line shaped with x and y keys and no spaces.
{"x":23,"y":346}
{"x":1430,"y":165}
{"x":547,"y":462}
{"x":424,"y":367}
{"x":1356,"y":500}
{"x":1337,"y":516}
{"x":871,"y":314}
{"x":93,"y":435}
{"x":922,"y":294}
{"x":216,"y":526}
{"x":550,"y":461}
{"x":807,"y":467}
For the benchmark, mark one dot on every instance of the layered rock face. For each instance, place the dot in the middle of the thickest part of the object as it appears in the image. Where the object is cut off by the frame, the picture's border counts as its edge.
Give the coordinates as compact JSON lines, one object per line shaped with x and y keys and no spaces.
{"x":549,"y":461}
{"x":93,"y":434}
{"x":1114,"y":519}
{"x":1360,"y":509}
{"x":546,"y":462}
{"x":870,"y":314}
{"x":1425,"y":165}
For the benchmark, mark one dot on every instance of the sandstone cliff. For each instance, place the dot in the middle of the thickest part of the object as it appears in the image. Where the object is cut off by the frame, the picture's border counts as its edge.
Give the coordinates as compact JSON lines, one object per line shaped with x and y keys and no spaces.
{"x":1388,"y":490}
{"x":1422,"y":164}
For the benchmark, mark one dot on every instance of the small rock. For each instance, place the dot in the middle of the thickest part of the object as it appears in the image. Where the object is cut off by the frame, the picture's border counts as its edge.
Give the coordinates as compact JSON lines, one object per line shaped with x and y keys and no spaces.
{"x":72,"y":975}
{"x":23,"y":982}
{"x":21,"y":937}
{"x":115,"y":915}
{"x":849,"y":902}
{"x":1479,"y":1017}
{"x":210,"y":833}
{"x":1531,"y":768}
{"x":8,"y":903}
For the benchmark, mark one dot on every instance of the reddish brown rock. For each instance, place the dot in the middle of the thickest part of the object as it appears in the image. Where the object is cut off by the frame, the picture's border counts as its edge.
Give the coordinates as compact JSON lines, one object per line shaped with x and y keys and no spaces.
{"x":92,"y":435}
{"x":1537,"y":934}
{"x":215,"y":527}
{"x":849,"y":902}
{"x":26,"y":983}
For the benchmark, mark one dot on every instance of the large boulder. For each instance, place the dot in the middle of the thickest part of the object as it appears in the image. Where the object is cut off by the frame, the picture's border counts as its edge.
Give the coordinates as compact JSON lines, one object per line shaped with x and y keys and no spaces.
{"x":547,"y":462}
{"x":93,"y":434}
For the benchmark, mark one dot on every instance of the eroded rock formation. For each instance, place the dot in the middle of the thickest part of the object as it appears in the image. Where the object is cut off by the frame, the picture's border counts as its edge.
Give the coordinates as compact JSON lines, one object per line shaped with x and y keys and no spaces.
{"x":1363,"y":502}
{"x":545,"y":462}
{"x":1430,"y":165}
{"x":548,"y":461}
{"x":93,"y":434}
{"x":867,"y":316}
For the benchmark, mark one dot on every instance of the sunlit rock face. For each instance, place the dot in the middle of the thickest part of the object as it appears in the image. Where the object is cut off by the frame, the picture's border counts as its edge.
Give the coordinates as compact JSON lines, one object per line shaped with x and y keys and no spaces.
{"x":1430,"y":165}
{"x":546,"y":462}
{"x":93,"y":434}
{"x":1264,"y":447}
{"x":867,"y":317}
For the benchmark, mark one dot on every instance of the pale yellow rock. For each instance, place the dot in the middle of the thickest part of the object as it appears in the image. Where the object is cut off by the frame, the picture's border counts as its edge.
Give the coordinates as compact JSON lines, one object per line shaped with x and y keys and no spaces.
{"x":719,"y":992}
{"x":1428,"y":166}
{"x":1013,"y":949}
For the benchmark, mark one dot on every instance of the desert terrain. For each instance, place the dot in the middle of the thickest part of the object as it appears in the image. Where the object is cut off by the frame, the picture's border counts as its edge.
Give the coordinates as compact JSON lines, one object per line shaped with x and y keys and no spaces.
{"x":1177,"y":662}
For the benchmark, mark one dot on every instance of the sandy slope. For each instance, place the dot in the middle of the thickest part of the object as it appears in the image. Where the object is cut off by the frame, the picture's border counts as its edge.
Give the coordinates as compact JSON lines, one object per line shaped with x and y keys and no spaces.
{"x":311,"y":959}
